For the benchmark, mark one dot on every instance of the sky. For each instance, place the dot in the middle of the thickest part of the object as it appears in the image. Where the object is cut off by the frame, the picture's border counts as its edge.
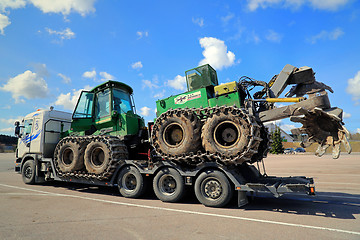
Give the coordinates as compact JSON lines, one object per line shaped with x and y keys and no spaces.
{"x":51,"y":50}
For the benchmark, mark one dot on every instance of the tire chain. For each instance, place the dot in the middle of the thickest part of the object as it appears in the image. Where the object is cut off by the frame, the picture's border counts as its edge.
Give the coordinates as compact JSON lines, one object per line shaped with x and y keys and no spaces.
{"x":202,"y":156}
{"x":117,"y":150}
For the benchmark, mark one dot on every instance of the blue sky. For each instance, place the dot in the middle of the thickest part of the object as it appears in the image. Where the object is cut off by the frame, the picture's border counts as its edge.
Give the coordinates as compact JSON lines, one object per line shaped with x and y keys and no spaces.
{"x":51,"y":50}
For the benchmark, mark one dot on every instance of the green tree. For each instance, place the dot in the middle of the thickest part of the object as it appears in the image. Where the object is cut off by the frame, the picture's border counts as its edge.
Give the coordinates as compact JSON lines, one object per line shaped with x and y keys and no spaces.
{"x":276,"y":145}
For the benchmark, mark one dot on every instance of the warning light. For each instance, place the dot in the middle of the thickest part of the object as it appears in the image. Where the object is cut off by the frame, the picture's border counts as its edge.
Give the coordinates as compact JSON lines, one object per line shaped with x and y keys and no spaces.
{"x":238,"y":188}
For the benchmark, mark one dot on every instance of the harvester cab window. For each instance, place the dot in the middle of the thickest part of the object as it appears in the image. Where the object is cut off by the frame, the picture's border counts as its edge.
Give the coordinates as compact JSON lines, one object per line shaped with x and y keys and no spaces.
{"x":121,"y":101}
{"x":84,"y":106}
{"x":102,"y":107}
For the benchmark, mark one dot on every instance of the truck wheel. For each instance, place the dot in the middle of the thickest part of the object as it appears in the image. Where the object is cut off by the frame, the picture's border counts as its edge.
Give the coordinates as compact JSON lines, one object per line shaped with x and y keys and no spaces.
{"x":28,"y":172}
{"x":177,"y":133}
{"x":226,"y":134}
{"x":169,"y":185}
{"x":70,"y":157}
{"x":131,"y":183}
{"x":212,"y":188}
{"x":97,"y":157}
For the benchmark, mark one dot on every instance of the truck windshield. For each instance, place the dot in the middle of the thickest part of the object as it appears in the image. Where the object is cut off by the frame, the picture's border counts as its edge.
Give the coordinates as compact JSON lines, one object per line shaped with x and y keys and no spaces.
{"x":84,"y":106}
{"x":121,"y":101}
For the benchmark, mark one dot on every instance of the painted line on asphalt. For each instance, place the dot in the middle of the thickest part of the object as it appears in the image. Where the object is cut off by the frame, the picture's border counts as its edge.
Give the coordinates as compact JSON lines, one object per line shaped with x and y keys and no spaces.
{"x":186,"y":211}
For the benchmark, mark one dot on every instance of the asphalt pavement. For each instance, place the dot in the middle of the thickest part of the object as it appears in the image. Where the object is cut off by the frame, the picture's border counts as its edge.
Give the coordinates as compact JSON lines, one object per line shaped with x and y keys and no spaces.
{"x":59,"y":210}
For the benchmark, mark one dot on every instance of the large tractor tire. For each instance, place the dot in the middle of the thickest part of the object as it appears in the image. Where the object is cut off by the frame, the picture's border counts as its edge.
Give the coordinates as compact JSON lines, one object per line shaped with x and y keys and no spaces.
{"x":28,"y":172}
{"x":177,"y":133}
{"x":70,"y":157}
{"x":97,"y":157}
{"x":168,"y":185}
{"x":131,"y":183}
{"x":213,"y":189}
{"x":227,"y":134}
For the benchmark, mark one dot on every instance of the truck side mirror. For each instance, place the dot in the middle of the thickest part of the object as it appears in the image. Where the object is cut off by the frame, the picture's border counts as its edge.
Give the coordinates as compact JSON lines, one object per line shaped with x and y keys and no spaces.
{"x":17,"y":129}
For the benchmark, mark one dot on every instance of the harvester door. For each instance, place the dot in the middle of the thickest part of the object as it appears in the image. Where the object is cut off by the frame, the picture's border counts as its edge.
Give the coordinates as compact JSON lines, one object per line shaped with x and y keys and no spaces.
{"x":103,"y":110}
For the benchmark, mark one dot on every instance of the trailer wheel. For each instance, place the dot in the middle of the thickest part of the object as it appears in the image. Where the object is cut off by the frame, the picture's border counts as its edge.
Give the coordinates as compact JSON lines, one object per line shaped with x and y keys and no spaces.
{"x":97,"y":157}
{"x":169,"y":185}
{"x":131,"y":183}
{"x":28,"y":172}
{"x":213,"y":189}
{"x":70,"y":157}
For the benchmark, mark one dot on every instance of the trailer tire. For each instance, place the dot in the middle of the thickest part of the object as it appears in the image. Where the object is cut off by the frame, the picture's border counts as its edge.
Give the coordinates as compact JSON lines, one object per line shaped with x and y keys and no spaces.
{"x":213,"y":189}
{"x":169,"y":185}
{"x":28,"y":172}
{"x":131,"y":183}
{"x":178,"y":133}
{"x":97,"y":157}
{"x":70,"y":157}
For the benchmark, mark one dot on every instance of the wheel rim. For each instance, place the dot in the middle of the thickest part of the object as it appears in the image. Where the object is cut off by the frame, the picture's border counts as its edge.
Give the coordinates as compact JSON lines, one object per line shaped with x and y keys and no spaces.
{"x":28,"y":172}
{"x":227,"y":134}
{"x":167,"y":184}
{"x":97,"y":157}
{"x":173,"y":134}
{"x":212,"y":189}
{"x":129,"y":182}
{"x":67,"y":156}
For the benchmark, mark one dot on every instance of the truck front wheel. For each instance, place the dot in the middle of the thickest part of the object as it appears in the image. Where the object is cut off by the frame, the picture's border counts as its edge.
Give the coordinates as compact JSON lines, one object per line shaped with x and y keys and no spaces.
{"x":28,"y":172}
{"x":131,"y":183}
{"x":213,"y":189}
{"x":169,"y":185}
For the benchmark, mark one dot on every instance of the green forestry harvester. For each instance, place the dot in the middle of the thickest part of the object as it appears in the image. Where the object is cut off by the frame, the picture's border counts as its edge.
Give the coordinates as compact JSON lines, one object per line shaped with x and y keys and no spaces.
{"x":224,"y":123}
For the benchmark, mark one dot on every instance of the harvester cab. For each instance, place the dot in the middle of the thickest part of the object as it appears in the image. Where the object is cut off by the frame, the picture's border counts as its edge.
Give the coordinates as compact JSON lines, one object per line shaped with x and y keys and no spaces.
{"x":107,"y":108}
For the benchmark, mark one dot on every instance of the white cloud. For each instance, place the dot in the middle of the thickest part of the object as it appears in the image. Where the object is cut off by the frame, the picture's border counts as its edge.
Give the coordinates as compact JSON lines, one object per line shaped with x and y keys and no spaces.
{"x":10,"y":120}
{"x":325,"y":35}
{"x":227,"y":18}
{"x":287,"y":127}
{"x":137,"y":65}
{"x":65,"y":79}
{"x":145,"y":111}
{"x":11,"y":4}
{"x":273,"y":36}
{"x":253,"y":37}
{"x":330,"y":5}
{"x":4,"y":22}
{"x":106,"y":76}
{"x":198,"y":21}
{"x":65,"y":7}
{"x":63,"y":35}
{"x":69,"y":100}
{"x":353,"y":87}
{"x":160,"y":94}
{"x":149,"y":84}
{"x":179,"y":83}
{"x":28,"y":85}
{"x":90,"y":74}
{"x":142,"y":34}
{"x":9,"y":129}
{"x":346,"y":115}
{"x":358,"y":130}
{"x":216,"y":53}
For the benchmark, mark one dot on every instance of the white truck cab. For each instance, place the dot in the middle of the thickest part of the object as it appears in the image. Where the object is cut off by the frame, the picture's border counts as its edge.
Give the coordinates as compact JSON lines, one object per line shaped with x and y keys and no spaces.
{"x":38,"y":133}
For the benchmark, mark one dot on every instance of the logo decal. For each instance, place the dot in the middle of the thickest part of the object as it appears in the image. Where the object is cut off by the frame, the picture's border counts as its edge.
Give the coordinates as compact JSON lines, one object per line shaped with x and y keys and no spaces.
{"x":187,"y":97}
{"x":30,"y":137}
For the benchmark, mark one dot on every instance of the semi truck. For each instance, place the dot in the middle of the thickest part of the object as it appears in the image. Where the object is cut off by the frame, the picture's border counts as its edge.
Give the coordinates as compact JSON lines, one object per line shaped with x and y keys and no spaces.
{"x":211,"y":138}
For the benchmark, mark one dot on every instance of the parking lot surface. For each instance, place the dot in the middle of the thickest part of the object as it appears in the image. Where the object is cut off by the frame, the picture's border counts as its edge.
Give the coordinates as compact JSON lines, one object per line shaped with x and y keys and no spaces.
{"x":58,"y":210}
